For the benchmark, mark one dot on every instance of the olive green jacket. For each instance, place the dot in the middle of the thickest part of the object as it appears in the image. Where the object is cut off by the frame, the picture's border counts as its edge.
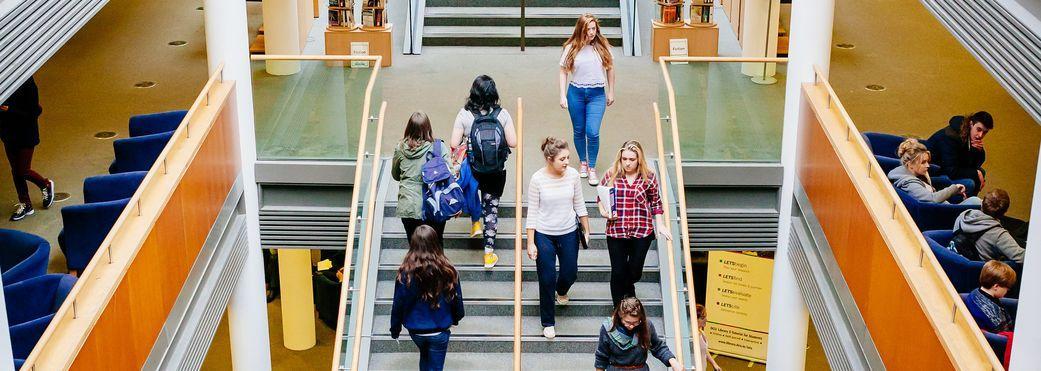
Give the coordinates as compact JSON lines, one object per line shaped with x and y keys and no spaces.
{"x":407,"y":169}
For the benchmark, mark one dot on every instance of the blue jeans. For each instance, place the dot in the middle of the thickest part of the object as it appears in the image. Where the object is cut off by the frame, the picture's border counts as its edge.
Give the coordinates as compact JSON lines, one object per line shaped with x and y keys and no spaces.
{"x":586,"y":107}
{"x":551,"y":249}
{"x":432,"y":350}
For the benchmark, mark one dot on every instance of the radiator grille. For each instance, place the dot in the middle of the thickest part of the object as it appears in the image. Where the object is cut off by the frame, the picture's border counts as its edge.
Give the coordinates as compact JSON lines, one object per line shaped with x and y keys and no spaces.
{"x":811,"y":294}
{"x":201,"y":339}
{"x":303,"y":229}
{"x":732,"y":230}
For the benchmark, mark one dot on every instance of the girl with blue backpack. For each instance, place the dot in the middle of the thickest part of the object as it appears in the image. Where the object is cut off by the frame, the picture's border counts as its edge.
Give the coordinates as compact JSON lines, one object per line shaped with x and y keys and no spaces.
{"x":486,"y":129}
{"x":410,"y":156}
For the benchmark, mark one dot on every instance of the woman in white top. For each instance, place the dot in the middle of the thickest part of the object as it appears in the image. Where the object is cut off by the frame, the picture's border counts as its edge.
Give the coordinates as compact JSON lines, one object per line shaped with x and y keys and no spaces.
{"x":555,"y":207}
{"x":483,"y":104}
{"x":588,"y":60}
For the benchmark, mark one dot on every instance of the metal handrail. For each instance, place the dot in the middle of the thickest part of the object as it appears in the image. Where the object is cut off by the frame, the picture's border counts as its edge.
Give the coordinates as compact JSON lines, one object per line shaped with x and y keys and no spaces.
{"x":673,"y":293}
{"x":517,"y":244}
{"x":367,"y":249}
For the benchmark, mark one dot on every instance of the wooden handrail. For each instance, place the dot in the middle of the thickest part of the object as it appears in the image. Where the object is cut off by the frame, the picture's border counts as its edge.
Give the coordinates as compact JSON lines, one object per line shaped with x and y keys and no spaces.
{"x":673,"y":293}
{"x":724,"y":59}
{"x":517,"y":244}
{"x":954,"y":326}
{"x":314,"y":57}
{"x":98,"y":282}
{"x":367,"y":248}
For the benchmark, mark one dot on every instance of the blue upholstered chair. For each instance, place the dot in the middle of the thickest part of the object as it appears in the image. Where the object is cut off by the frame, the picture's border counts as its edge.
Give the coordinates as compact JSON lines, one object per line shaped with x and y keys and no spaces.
{"x":31,"y":305}
{"x":22,"y":256}
{"x":998,"y":343}
{"x":929,"y":216}
{"x":884,"y":144}
{"x":138,"y":153}
{"x":85,"y":227}
{"x":110,"y":187}
{"x":963,"y":273}
{"x":155,"y":123}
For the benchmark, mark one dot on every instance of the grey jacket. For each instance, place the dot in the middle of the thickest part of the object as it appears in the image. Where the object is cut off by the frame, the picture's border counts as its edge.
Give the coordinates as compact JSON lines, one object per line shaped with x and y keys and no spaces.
{"x":903,"y":179}
{"x":407,"y":169}
{"x":996,"y":243}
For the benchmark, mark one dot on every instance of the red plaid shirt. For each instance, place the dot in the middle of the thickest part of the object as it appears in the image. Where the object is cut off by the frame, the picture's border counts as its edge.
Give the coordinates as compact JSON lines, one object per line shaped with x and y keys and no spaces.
{"x":635,"y":205}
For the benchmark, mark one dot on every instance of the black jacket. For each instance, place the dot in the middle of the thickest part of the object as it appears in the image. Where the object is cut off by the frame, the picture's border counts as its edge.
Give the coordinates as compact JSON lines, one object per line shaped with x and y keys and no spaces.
{"x":18,"y":122}
{"x":955,"y":157}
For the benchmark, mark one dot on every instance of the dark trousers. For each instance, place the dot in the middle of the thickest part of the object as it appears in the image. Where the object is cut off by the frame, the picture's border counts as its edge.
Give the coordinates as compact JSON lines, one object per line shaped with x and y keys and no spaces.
{"x":21,"y":160}
{"x":412,"y":224}
{"x":627,"y":259}
{"x":551,"y":249}
{"x":432,"y":351}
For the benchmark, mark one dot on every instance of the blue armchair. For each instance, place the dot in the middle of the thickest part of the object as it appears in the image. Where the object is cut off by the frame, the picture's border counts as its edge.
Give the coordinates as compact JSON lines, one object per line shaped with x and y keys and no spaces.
{"x":963,"y":273}
{"x":85,"y":227}
{"x":138,"y":153}
{"x":23,"y":256}
{"x":883,"y":144}
{"x":929,"y":215}
{"x":998,"y":343}
{"x":31,"y":305}
{"x":111,"y":187}
{"x":155,"y":123}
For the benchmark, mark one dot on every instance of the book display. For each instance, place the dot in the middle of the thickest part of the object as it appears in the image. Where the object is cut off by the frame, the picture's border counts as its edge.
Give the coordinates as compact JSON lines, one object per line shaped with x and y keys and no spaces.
{"x":670,"y":13}
{"x":341,"y":14}
{"x":701,"y":13}
{"x":374,"y":15}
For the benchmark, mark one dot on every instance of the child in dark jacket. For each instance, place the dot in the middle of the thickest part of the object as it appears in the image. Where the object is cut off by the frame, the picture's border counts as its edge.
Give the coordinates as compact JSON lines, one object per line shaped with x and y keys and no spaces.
{"x":984,"y":303}
{"x":627,"y":337}
{"x":428,"y":299}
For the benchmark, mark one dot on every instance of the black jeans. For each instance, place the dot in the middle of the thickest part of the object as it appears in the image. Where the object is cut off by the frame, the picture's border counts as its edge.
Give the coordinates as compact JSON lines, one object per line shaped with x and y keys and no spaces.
{"x":21,"y":160}
{"x":627,"y":259}
{"x":412,"y":224}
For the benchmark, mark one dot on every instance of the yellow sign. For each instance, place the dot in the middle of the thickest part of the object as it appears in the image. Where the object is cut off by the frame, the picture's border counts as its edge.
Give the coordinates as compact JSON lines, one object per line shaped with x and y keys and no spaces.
{"x":738,"y":304}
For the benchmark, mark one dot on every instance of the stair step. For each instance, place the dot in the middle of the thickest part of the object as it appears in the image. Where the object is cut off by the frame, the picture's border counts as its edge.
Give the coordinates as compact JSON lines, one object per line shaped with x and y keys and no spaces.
{"x":506,"y":210}
{"x":553,"y":32}
{"x":392,"y":258}
{"x":528,"y":273}
{"x":528,"y":3}
{"x":489,"y":326}
{"x":507,"y":226}
{"x":503,"y":291}
{"x":504,"y":242}
{"x":514,"y":12}
{"x":531,"y":308}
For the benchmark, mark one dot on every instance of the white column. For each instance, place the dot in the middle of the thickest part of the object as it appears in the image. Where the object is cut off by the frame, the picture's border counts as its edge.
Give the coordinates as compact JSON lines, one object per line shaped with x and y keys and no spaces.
{"x":759,"y":37}
{"x":1028,"y":325}
{"x":5,"y":336}
{"x":810,"y":45}
{"x":227,"y":42}
{"x":281,"y":34}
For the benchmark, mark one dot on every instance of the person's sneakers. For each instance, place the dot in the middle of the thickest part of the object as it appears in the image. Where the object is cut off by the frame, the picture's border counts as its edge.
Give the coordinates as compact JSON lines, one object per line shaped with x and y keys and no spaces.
{"x":490,"y":259}
{"x":593,"y":179}
{"x":563,"y":299}
{"x":48,"y":194}
{"x":476,"y":230}
{"x":583,"y":170}
{"x":21,"y":211}
{"x":549,"y":332}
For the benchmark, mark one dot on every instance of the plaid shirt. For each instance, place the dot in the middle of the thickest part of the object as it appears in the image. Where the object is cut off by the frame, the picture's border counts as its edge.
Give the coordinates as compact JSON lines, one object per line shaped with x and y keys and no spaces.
{"x":635,"y":205}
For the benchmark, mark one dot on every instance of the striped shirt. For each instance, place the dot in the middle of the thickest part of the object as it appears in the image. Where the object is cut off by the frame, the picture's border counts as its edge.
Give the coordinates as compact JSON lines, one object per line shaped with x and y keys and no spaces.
{"x":555,"y":203}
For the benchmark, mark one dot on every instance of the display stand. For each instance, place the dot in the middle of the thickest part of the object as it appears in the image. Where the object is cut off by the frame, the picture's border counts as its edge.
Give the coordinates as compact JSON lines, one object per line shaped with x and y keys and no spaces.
{"x":338,"y":42}
{"x":702,"y":40}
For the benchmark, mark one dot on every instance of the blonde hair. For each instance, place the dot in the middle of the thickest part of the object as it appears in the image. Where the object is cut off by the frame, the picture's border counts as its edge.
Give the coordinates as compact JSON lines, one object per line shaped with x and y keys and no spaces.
{"x":551,"y":147}
{"x":910,"y":150}
{"x":577,"y":41}
{"x":642,"y":170}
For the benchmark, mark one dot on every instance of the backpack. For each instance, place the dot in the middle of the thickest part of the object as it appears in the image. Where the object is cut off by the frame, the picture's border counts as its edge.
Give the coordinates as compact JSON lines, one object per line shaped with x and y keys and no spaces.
{"x":965,"y":243}
{"x":488,"y":149}
{"x":442,"y":195}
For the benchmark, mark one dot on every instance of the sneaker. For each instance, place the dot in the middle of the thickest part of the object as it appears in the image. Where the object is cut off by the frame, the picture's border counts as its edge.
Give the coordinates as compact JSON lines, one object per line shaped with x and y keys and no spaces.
{"x":476,"y":230}
{"x":549,"y":332}
{"x":48,"y":194}
{"x":490,"y":259}
{"x":21,"y":211}
{"x":593,"y":179}
{"x":583,"y":170}
{"x":563,"y":299}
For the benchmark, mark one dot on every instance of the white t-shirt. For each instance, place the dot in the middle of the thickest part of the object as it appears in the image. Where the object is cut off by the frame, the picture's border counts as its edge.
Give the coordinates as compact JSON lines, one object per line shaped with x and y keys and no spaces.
{"x":588,"y":71}
{"x":554,"y":204}
{"x":465,"y":120}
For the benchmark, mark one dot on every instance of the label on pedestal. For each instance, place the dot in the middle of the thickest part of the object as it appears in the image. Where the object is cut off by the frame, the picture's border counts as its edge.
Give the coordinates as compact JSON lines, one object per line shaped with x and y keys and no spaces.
{"x":678,"y":48}
{"x":359,"y":48}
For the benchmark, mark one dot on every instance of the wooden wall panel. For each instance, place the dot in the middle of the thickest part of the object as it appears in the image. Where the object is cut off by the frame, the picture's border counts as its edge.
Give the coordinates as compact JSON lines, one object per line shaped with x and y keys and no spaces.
{"x":897,"y":323}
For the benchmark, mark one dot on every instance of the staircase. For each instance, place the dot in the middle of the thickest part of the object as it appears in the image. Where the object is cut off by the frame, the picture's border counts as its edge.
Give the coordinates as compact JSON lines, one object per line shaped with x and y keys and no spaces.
{"x":484,"y":338}
{"x":497,"y":22}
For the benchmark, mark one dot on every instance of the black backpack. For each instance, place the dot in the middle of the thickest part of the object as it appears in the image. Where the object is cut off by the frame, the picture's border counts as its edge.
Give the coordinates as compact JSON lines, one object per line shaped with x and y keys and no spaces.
{"x":965,"y":243}
{"x":488,"y":149}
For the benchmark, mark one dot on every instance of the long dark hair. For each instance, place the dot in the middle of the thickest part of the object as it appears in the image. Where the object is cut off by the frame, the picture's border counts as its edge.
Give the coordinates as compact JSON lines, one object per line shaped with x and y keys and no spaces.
{"x":982,"y":117}
{"x":418,"y":130}
{"x":483,"y":95}
{"x":426,"y":266}
{"x":632,"y":306}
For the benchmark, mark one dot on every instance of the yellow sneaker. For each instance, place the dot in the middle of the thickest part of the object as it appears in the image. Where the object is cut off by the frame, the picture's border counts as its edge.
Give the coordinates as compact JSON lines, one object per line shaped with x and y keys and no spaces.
{"x":476,"y":230}
{"x":490,"y":259}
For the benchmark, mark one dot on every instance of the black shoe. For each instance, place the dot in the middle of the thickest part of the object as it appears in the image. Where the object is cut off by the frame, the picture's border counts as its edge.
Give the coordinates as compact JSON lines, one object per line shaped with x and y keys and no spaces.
{"x":21,"y":211}
{"x":48,"y":194}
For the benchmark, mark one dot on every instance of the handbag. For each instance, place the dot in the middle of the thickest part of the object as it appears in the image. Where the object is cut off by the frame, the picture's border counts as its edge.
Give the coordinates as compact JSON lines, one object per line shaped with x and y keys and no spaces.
{"x":581,"y":234}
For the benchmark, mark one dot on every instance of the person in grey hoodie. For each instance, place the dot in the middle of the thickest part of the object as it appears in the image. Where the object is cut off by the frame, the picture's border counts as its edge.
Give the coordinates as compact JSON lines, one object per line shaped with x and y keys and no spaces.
{"x":407,"y":168}
{"x":995,"y":243}
{"x":913,"y":176}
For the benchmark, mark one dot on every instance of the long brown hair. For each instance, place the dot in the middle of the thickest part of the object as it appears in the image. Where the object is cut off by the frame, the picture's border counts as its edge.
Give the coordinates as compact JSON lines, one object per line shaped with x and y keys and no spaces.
{"x":642,"y":170}
{"x":632,"y":306}
{"x":428,"y":268}
{"x":418,"y":130}
{"x":577,"y":41}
